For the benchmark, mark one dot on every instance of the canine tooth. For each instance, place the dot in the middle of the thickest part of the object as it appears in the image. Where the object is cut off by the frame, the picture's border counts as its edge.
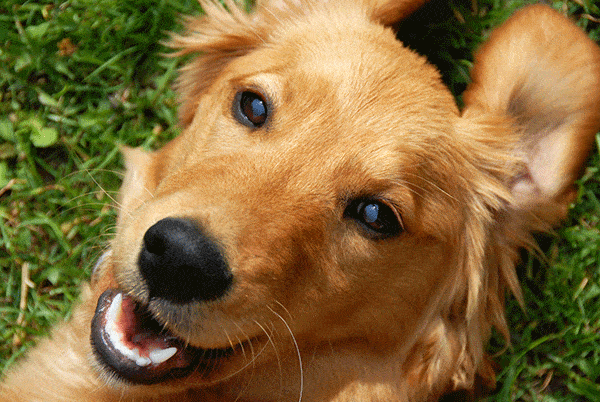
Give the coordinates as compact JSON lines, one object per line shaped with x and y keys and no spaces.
{"x":116,"y":337}
{"x":111,"y":318}
{"x":114,"y":309}
{"x":162,"y":355}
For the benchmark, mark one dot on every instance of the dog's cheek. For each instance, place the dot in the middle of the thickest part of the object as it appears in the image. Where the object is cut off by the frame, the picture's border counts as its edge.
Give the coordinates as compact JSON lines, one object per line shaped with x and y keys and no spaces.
{"x":387,"y":288}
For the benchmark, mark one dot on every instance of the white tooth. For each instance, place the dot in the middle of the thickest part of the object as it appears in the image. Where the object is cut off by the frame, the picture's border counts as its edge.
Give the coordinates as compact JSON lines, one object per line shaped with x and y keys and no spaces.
{"x":116,"y":337}
{"x":111,"y":322}
{"x":114,"y":309}
{"x":162,"y":355}
{"x":142,"y":361}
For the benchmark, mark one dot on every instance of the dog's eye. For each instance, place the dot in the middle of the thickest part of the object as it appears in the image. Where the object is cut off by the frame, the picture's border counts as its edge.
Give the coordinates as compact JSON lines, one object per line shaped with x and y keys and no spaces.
{"x":379,"y":218}
{"x":250,"y":109}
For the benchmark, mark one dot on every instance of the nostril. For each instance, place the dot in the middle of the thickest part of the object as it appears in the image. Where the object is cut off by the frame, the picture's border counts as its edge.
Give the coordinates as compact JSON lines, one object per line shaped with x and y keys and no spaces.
{"x":155,"y":241}
{"x":180,"y":263}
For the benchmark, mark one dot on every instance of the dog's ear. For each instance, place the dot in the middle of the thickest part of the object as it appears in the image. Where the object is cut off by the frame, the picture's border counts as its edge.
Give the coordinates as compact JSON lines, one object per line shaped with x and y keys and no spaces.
{"x":388,"y":12}
{"x":540,"y":75}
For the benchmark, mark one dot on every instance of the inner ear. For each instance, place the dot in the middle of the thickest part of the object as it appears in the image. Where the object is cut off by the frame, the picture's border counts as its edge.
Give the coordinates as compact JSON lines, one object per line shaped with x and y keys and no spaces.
{"x":542,"y":74}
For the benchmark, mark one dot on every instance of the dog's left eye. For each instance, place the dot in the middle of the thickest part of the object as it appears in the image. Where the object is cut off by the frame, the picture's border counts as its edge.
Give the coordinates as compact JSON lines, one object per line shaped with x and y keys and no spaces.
{"x":379,"y":218}
{"x":250,"y":109}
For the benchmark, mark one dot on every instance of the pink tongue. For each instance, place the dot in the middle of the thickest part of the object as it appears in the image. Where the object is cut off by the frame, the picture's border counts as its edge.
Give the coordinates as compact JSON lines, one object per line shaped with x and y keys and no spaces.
{"x":134,"y":346}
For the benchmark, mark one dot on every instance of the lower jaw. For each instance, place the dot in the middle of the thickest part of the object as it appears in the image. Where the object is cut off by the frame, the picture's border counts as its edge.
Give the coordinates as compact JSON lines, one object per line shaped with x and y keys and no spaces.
{"x":204,"y":371}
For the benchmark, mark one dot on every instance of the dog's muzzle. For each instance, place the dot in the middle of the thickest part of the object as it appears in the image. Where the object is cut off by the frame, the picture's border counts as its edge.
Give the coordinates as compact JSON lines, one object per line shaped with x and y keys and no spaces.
{"x":180,"y":264}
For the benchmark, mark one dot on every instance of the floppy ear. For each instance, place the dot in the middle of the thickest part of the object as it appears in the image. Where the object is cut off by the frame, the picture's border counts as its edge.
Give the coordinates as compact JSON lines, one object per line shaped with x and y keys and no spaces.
{"x":541,"y":74}
{"x":530,"y":116}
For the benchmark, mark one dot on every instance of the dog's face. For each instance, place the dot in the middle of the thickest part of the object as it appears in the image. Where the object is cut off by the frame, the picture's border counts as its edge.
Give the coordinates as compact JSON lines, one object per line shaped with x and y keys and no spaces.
{"x":309,"y":190}
{"x":326,"y":191}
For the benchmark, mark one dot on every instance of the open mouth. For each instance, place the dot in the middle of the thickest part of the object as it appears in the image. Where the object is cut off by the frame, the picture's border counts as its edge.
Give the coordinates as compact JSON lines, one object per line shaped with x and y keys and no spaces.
{"x":127,"y":340}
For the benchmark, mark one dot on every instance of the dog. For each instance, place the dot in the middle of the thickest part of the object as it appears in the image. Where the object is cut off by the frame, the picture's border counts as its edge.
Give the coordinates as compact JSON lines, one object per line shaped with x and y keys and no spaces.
{"x":329,"y":226}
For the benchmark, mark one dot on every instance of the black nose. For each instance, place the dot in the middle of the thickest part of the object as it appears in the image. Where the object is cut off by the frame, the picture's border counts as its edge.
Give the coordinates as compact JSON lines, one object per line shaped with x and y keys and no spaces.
{"x":181,"y":264}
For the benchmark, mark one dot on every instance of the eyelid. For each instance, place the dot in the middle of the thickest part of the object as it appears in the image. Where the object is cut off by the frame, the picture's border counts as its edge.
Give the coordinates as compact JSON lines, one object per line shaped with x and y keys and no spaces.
{"x":394,"y":207}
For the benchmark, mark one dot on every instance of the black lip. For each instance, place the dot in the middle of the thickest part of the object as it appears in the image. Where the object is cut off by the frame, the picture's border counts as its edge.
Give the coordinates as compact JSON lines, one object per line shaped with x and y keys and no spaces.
{"x":186,"y":360}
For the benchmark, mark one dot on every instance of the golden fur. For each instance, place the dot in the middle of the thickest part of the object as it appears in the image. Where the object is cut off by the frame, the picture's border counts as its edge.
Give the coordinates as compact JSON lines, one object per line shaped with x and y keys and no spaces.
{"x":321,"y":310}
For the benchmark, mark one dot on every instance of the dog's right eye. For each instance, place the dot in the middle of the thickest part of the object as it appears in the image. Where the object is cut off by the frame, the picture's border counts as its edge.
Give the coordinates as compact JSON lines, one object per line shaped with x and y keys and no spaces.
{"x":250,"y":108}
{"x":379,"y":218}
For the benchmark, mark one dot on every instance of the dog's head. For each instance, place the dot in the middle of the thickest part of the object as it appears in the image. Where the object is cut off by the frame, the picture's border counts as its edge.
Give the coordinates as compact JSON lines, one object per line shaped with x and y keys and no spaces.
{"x":328,"y":203}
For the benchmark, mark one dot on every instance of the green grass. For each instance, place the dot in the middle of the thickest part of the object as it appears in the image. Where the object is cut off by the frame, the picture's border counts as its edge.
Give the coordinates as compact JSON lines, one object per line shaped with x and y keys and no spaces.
{"x":63,"y":113}
{"x":61,"y":119}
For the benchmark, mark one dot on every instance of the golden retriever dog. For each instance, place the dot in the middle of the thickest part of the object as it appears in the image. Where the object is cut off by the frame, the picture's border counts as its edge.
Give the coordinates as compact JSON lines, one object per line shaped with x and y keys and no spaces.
{"x":329,"y":226}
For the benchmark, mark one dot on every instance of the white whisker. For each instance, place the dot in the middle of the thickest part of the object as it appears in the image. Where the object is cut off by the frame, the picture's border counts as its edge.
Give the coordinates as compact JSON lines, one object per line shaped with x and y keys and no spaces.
{"x":251,"y":376}
{"x":113,"y":199}
{"x":277,"y":357}
{"x":295,"y":345}
{"x":240,"y":342}
{"x":253,"y":353}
